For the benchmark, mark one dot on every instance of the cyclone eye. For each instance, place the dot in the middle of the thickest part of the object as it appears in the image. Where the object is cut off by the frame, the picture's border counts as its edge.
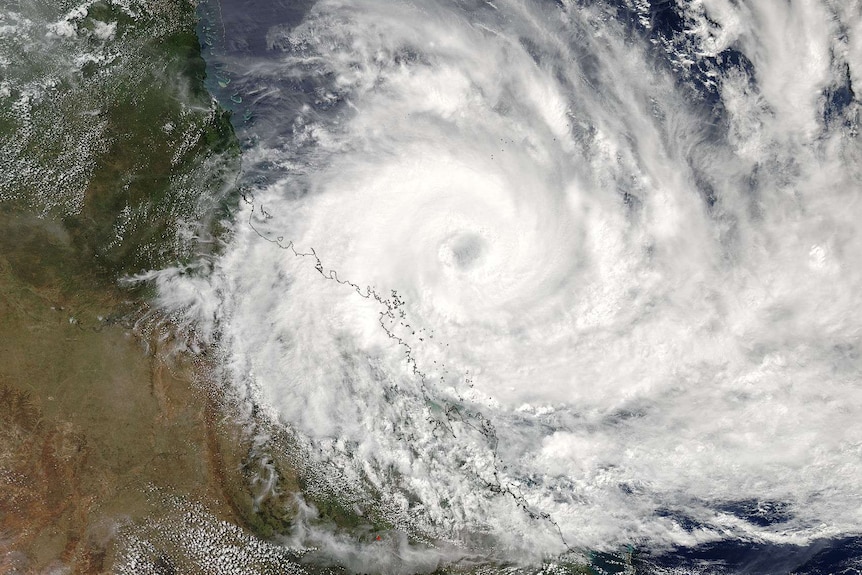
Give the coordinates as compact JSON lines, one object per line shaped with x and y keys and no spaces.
{"x":462,"y":251}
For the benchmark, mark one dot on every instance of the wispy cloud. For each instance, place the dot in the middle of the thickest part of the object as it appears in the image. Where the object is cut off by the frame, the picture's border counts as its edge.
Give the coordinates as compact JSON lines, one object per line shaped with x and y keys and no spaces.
{"x":614,"y":307}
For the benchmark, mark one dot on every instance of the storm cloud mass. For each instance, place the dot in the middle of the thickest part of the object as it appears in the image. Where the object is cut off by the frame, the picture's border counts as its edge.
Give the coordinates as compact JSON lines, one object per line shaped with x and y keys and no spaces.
{"x":555,"y":275}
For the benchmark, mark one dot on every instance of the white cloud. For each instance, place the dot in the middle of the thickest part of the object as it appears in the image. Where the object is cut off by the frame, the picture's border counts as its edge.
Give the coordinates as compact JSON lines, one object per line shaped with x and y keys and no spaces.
{"x":677,"y":355}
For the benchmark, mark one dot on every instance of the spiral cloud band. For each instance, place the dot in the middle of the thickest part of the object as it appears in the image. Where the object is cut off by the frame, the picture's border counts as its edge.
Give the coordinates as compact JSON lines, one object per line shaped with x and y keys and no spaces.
{"x":562,"y":279}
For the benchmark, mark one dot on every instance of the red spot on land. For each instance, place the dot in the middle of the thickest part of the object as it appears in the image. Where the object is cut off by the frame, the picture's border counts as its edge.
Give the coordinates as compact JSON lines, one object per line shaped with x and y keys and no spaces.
{"x":378,"y":538}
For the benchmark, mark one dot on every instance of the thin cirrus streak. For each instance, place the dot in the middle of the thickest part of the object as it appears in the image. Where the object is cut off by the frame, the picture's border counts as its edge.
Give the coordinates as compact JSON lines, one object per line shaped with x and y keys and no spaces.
{"x":612,"y":284}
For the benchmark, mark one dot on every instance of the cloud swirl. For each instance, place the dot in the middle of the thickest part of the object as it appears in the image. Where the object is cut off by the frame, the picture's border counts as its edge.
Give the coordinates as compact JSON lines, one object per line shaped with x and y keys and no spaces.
{"x":604,"y":290}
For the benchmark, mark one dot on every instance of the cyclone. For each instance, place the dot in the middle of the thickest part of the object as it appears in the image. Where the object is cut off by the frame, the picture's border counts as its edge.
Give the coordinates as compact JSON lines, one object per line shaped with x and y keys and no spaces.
{"x":556,"y":277}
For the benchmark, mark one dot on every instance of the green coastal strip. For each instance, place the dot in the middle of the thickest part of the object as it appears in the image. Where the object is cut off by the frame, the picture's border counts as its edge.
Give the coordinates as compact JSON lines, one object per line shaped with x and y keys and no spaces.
{"x":107,"y":127}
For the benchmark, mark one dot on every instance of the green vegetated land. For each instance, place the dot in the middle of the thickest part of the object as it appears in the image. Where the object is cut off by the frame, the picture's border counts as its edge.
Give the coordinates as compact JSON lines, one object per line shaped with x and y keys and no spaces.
{"x":116,"y":454}
{"x":106,"y":126}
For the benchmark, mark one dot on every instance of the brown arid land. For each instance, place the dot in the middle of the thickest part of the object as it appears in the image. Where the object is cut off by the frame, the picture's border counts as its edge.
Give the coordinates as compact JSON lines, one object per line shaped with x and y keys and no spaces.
{"x":97,"y":418}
